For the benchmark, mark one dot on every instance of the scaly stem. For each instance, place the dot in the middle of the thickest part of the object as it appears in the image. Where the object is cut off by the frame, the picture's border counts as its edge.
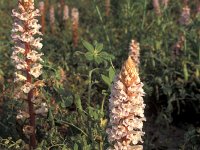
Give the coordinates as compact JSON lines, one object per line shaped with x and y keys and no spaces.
{"x":32,"y":143}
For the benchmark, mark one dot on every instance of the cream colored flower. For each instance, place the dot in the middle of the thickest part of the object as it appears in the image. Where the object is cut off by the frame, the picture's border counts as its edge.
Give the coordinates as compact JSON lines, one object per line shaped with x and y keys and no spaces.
{"x":135,"y":51}
{"x":19,"y":77}
{"x":185,"y":16}
{"x":36,"y":43}
{"x":27,"y":87}
{"x":34,"y":56}
{"x":66,"y":12}
{"x":21,"y":65}
{"x":22,"y":115}
{"x":156,"y":5}
{"x":41,"y":7}
{"x":42,"y":110}
{"x":36,"y":70}
{"x":126,"y":106}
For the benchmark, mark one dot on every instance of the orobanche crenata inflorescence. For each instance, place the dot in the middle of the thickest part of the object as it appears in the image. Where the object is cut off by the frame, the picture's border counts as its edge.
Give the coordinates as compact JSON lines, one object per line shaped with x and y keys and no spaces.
{"x":126,"y":106}
{"x":27,"y":60}
{"x":24,"y":55}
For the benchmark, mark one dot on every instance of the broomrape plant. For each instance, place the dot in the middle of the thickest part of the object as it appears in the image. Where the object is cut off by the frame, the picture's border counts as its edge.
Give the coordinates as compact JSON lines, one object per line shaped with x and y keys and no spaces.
{"x":156,"y":5}
{"x":52,"y":18}
{"x":127,"y":106}
{"x":27,"y":61}
{"x":185,"y":16}
{"x":65,"y":13}
{"x":42,"y":12}
{"x":107,"y":6}
{"x":75,"y":25}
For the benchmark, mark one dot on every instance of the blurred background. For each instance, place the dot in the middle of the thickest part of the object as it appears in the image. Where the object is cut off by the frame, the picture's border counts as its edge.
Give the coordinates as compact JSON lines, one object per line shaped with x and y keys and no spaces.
{"x":169,"y":36}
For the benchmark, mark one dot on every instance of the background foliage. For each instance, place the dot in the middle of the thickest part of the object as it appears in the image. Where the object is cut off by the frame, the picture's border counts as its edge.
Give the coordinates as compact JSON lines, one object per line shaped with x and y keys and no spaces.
{"x":78,"y":80}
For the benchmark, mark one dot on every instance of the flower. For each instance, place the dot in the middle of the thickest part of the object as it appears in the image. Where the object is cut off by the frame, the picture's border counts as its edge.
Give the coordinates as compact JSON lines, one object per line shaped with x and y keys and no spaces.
{"x":156,"y":6}
{"x":25,"y":26}
{"x":135,"y":51}
{"x":34,"y":56}
{"x":165,"y":3}
{"x":26,"y":59}
{"x":36,"y":70}
{"x":42,"y":12}
{"x":107,"y":5}
{"x":28,"y":130}
{"x":52,"y":17}
{"x":36,"y":43}
{"x":19,"y":77}
{"x":126,"y":106}
{"x":41,"y":7}
{"x":185,"y":16}
{"x":27,"y":87}
{"x":75,"y":24}
{"x":22,"y":115}
{"x":66,"y":12}
{"x":42,"y":110}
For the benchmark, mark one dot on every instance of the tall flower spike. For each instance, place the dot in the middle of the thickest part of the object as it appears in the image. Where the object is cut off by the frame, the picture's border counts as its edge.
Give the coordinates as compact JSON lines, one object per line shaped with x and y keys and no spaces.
{"x":185,"y":16}
{"x":59,"y":9}
{"x":107,"y":5}
{"x":156,"y":6}
{"x":46,"y":5}
{"x":126,"y":109}
{"x":165,"y":3}
{"x":66,"y":13}
{"x":177,"y":47}
{"x":135,"y":52}
{"x":52,"y":18}
{"x":25,"y":56}
{"x":198,"y":9}
{"x":75,"y":24}
{"x":42,"y":12}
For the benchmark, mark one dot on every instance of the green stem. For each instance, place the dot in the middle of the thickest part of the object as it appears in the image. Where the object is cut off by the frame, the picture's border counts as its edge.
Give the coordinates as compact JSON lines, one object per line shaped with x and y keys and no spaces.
{"x":57,"y":145}
{"x":101,"y":145}
{"x":144,"y":14}
{"x":90,"y":85}
{"x":104,"y":27}
{"x":60,"y":121}
{"x":102,"y":104}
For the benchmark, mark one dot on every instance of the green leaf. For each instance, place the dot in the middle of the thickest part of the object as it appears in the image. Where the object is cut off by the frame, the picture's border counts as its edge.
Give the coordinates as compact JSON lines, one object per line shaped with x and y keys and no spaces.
{"x":99,"y":47}
{"x":98,"y":60}
{"x":68,"y":101}
{"x":77,"y":102}
{"x":89,"y":56}
{"x":185,"y":71}
{"x":106,"y":56}
{"x":75,"y":146}
{"x":111,"y":74}
{"x":88,"y":46}
{"x":64,"y":148}
{"x":106,"y":79}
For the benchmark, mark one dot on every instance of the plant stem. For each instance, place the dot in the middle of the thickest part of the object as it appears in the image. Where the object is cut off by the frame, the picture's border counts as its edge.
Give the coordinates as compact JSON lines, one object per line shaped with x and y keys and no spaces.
{"x":144,"y":14}
{"x":90,"y":85}
{"x":61,"y":121}
{"x":32,"y":143}
{"x":102,"y":104}
{"x":104,"y":27}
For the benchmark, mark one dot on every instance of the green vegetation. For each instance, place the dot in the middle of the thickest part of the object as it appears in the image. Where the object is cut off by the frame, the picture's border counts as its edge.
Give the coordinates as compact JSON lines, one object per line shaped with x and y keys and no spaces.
{"x":78,"y":79}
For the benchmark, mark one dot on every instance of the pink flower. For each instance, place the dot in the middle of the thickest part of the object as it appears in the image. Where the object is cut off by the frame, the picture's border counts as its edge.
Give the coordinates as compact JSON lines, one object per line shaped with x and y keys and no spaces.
{"x":185,"y":16}
{"x":66,"y":12}
{"x":126,"y":106}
